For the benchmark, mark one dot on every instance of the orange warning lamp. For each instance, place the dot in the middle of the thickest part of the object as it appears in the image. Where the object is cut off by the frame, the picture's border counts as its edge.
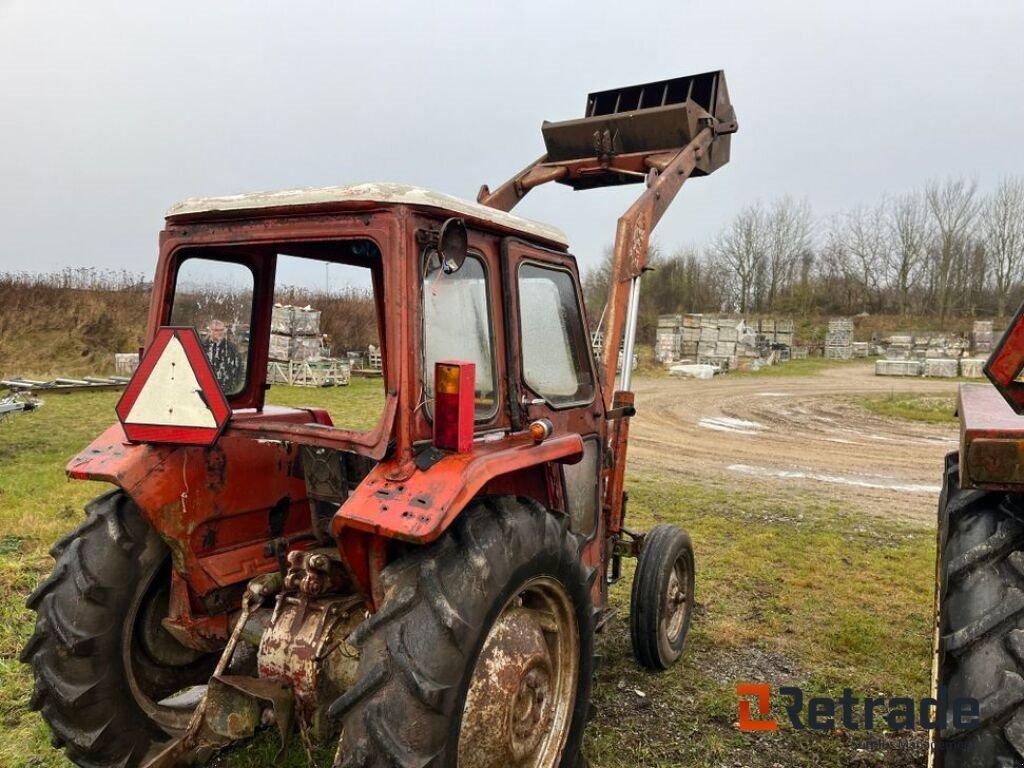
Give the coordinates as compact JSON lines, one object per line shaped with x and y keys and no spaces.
{"x":454,"y":383}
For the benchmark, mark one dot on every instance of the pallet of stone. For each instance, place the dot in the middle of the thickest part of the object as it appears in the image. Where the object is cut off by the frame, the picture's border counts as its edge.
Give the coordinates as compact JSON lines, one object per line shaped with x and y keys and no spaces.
{"x":727,"y":333}
{"x":861,"y":349}
{"x":692,"y":320}
{"x":125,"y":363}
{"x":294,"y":321}
{"x":798,"y":353}
{"x":837,"y":324}
{"x":941,"y":368}
{"x":784,"y":337}
{"x":898,"y":352}
{"x":766,"y":326}
{"x":972,"y":367}
{"x":709,"y":321}
{"x":688,"y":348}
{"x":724,"y":362}
{"x":706,"y":348}
{"x":280,"y":347}
{"x":305,"y":348}
{"x":725,"y":348}
{"x":669,"y":321}
{"x":690,"y":334}
{"x":838,"y":352}
{"x":708,"y":334}
{"x":785,"y":326}
{"x":898,"y":367}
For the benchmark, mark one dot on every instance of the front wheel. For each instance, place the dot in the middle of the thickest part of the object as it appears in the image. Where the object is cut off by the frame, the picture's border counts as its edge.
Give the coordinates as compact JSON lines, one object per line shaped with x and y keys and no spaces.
{"x":103,"y":664}
{"x":482,"y":652}
{"x":661,"y":602}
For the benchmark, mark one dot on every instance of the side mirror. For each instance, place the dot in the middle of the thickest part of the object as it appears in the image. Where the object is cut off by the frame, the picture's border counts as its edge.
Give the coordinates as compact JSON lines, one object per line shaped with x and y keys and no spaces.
{"x":452,"y":245}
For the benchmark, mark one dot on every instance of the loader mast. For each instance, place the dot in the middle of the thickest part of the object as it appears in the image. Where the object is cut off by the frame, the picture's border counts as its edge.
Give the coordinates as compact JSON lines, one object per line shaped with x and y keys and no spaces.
{"x":661,"y":134}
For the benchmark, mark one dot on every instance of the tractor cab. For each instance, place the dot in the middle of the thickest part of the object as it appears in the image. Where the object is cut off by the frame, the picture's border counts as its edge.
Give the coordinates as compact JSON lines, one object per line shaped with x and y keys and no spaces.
{"x":432,"y":301}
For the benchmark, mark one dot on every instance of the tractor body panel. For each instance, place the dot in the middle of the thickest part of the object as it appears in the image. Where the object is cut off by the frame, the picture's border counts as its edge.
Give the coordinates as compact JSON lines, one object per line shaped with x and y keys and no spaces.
{"x":991,"y":440}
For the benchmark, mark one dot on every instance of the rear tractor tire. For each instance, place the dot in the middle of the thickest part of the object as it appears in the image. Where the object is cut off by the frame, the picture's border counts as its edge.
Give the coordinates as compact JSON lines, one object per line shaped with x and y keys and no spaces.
{"x":102,"y":661}
{"x":662,"y":599}
{"x":481,"y":654}
{"x":980,"y":622}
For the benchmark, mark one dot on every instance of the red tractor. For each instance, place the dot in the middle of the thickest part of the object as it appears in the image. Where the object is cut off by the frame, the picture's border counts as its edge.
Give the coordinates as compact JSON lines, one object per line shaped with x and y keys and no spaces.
{"x":979,"y":599}
{"x":428,"y":586}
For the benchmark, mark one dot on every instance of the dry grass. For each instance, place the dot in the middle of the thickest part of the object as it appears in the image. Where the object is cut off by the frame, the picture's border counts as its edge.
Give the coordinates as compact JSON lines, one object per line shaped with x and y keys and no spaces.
{"x":73,"y":323}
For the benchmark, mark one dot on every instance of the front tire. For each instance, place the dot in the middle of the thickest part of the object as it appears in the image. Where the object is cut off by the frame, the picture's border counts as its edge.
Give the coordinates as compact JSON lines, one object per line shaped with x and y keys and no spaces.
{"x":980,"y":604}
{"x":481,"y":654}
{"x":662,"y":598}
{"x":101,"y":660}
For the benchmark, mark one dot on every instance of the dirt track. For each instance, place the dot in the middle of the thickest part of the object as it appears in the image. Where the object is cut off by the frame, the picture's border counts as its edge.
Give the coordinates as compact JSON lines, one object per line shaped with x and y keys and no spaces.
{"x":786,"y":431}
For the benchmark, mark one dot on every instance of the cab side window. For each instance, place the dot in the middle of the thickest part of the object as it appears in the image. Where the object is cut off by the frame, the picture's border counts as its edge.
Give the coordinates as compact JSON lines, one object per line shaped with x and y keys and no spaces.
{"x":457,"y":326}
{"x":556,"y":362}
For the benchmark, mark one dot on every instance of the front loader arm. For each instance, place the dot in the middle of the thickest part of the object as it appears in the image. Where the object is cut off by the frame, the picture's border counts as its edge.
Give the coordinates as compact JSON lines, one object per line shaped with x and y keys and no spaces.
{"x":659,"y":133}
{"x":632,"y":239}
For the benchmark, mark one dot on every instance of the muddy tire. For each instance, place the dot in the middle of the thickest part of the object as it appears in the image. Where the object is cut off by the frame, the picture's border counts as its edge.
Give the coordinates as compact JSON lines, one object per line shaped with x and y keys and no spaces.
{"x":981,"y":621}
{"x":507,"y":572}
{"x":96,"y":680}
{"x":661,"y":601}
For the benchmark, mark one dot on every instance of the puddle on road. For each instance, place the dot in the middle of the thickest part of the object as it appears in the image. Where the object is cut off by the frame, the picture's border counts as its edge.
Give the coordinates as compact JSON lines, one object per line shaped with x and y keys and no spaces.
{"x":729,"y":424}
{"x":881,"y":483}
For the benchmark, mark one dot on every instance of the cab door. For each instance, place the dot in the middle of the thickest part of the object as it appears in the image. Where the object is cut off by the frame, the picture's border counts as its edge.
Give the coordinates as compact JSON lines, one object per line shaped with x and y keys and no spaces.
{"x":552,"y":375}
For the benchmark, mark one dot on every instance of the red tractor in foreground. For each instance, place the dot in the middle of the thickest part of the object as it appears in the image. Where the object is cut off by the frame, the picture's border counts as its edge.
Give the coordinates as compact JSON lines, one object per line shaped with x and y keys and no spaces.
{"x":979,"y":598}
{"x":429,"y":585}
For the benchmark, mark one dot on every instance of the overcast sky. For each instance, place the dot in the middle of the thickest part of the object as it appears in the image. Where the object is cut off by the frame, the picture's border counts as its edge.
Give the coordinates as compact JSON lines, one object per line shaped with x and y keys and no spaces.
{"x":111,"y":111}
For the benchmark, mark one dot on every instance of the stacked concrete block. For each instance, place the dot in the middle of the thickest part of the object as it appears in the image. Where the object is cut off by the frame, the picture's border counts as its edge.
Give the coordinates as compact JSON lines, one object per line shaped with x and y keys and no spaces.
{"x":839,"y":340}
{"x":668,"y":339}
{"x":898,"y":367}
{"x":125,"y":363}
{"x":900,"y":347}
{"x":981,"y":337}
{"x":941,"y":368}
{"x":294,"y":333}
{"x":972,"y":368}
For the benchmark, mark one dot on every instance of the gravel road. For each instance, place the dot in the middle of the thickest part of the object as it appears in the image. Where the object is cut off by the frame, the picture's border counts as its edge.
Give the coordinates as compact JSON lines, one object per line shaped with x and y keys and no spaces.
{"x":785,"y":432}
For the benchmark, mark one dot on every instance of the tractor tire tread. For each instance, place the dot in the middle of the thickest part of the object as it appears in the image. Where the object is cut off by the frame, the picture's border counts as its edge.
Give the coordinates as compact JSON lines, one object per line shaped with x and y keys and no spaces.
{"x":981,"y":630}
{"x":439,"y":607}
{"x":76,"y":644}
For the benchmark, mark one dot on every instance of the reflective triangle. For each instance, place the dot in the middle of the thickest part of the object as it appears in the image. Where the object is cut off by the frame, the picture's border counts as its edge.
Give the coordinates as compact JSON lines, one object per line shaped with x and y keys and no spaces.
{"x":171,"y":394}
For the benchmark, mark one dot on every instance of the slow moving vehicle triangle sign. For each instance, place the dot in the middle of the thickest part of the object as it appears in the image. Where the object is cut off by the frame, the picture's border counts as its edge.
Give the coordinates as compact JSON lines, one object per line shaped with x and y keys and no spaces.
{"x":1006,"y":362}
{"x":174,"y":396}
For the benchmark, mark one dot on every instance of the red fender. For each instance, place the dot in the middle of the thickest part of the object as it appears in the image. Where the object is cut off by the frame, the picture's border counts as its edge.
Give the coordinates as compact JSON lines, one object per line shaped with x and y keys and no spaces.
{"x":417,"y":506}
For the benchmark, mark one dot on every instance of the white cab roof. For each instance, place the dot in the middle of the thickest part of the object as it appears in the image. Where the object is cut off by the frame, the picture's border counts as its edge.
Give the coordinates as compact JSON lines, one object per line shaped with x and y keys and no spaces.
{"x":392,"y":194}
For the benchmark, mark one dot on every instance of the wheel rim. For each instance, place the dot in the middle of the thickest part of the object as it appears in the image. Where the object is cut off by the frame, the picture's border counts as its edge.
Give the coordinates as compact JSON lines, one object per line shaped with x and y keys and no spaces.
{"x":158,"y":668}
{"x":522,"y":692}
{"x":677,"y":600}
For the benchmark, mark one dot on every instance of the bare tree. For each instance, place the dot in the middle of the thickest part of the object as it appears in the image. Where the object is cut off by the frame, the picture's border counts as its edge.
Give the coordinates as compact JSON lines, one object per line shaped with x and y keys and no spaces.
{"x":869,"y":249}
{"x":953,"y":206}
{"x":740,"y":248}
{"x":1002,"y":232}
{"x":787,"y":237}
{"x":908,"y":226}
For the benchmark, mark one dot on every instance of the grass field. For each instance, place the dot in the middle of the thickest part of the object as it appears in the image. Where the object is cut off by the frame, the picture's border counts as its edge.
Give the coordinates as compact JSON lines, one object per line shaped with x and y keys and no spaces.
{"x":789,"y":592}
{"x":931,"y":409}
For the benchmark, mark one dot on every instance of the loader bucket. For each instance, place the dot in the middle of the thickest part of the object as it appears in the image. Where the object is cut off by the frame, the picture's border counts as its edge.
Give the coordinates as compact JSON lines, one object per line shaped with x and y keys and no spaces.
{"x":662,"y":116}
